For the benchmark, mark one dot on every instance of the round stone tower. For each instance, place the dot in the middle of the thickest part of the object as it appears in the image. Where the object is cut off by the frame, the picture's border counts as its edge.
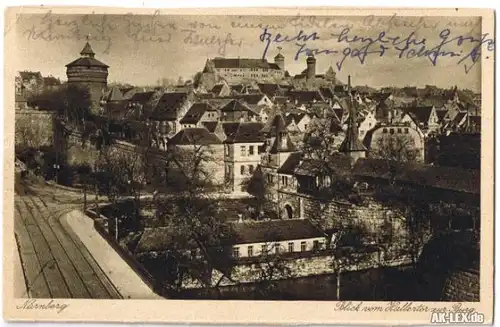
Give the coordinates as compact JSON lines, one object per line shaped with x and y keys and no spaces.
{"x":90,"y":73}
{"x":311,"y":67}
{"x":280,"y":61}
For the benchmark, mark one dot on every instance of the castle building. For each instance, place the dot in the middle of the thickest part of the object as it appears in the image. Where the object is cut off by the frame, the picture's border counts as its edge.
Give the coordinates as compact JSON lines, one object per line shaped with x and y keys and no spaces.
{"x":90,"y":73}
{"x":242,"y":70}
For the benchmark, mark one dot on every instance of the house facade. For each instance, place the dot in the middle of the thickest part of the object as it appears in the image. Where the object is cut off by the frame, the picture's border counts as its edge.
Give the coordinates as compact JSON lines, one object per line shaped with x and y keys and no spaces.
{"x":241,"y":153}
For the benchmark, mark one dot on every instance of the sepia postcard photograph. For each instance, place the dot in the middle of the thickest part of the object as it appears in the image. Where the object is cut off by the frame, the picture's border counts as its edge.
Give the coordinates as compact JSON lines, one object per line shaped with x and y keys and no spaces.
{"x":249,"y":165}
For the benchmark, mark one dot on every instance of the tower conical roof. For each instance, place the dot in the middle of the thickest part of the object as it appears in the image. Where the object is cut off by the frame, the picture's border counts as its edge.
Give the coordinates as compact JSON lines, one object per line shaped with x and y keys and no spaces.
{"x":87,"y":50}
{"x":279,"y":56}
{"x":351,"y":142}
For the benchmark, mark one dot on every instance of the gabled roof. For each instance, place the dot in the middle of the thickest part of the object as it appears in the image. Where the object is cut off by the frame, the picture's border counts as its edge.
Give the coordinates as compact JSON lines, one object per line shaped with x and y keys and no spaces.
{"x":251,"y":98}
{"x":243,"y":132}
{"x":271,"y":231}
{"x":243,"y":63}
{"x":217,"y":88}
{"x":276,"y":125}
{"x":338,"y":164}
{"x":279,"y":146}
{"x":114,"y":95}
{"x":290,"y":164}
{"x":141,"y":97}
{"x":168,"y":105}
{"x":235,"y":105}
{"x":210,"y":125}
{"x":305,"y":96}
{"x":269,"y":89}
{"x":238,"y":88}
{"x":327,"y":92}
{"x":441,"y":114}
{"x":194,"y":136}
{"x":419,"y":114}
{"x":195,"y":112}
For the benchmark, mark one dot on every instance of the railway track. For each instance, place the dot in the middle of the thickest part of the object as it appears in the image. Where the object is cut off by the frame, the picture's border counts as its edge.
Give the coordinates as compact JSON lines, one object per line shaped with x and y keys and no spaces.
{"x":56,"y":264}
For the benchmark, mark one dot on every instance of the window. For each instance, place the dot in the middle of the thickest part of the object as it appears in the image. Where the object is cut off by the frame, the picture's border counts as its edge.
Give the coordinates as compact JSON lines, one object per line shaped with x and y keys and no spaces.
{"x":250,"y":251}
{"x":406,"y":131}
{"x":391,"y":130}
{"x":242,"y":169}
{"x":277,"y":247}
{"x":263,"y":249}
{"x":316,"y":245}
{"x":384,"y":130}
{"x":290,"y":247}
{"x":399,"y":131}
{"x":243,"y":151}
{"x":305,"y":126}
{"x":303,"y":246}
{"x":236,"y":252}
{"x":284,"y":180}
{"x":250,"y":169}
{"x":250,"y":150}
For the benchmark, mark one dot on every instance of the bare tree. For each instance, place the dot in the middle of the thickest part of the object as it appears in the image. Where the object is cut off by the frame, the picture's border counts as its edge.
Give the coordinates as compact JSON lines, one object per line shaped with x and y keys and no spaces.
{"x":400,"y":147}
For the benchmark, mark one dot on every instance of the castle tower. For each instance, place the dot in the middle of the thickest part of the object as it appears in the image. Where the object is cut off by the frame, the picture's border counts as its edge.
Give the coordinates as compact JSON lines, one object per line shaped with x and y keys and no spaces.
{"x":311,"y":67}
{"x":90,"y":73}
{"x":280,"y":60}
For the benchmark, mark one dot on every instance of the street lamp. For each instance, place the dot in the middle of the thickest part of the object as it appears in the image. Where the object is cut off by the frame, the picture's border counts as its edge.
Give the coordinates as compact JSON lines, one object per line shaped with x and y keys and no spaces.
{"x":56,"y":169}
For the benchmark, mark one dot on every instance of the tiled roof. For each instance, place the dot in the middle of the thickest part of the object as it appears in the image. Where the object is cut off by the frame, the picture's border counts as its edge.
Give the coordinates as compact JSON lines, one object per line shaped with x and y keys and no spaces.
{"x":167,"y":106}
{"x":269,"y":89}
{"x":279,"y":146}
{"x":327,"y":92}
{"x":194,"y":136}
{"x":238,"y":88}
{"x":441,"y":114}
{"x":339,"y":164}
{"x":273,"y":231}
{"x":87,"y":50}
{"x":290,"y":164}
{"x":87,"y":62}
{"x":305,"y":96}
{"x":276,"y":125}
{"x":141,"y":97}
{"x":243,"y":63}
{"x":419,"y":114}
{"x":210,"y":125}
{"x":217,"y":88}
{"x":243,"y":132}
{"x":195,"y":113}
{"x":114,"y":95}
{"x":250,"y":98}
{"x":449,"y":178}
{"x":235,"y":105}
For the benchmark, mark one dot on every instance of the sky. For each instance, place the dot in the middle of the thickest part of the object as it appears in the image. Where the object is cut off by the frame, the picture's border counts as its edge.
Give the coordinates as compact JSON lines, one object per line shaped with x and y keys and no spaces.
{"x":141,"y":49}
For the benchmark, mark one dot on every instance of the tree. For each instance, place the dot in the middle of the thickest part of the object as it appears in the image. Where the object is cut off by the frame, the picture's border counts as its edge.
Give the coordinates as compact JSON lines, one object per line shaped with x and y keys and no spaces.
{"x":72,"y":102}
{"x":192,"y":214}
{"x":411,"y":205}
{"x":117,"y":174}
{"x":270,"y":267}
{"x":31,"y":134}
{"x":264,"y":204}
{"x":400,"y":147}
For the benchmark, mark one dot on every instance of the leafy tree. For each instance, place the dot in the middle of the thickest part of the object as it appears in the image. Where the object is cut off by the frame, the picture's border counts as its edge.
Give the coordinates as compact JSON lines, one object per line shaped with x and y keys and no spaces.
{"x":71,"y":102}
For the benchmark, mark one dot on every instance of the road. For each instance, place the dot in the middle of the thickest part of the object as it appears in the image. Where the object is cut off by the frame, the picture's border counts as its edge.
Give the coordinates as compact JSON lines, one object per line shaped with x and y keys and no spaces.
{"x":55,"y":262}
